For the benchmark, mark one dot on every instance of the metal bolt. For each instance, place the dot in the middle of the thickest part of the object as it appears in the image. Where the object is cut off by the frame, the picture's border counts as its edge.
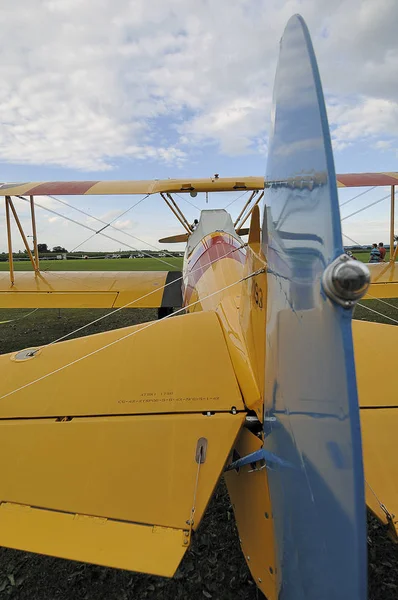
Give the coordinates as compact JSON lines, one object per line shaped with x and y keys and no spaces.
{"x":266,"y":515}
{"x":346,"y":281}
{"x":260,"y":580}
{"x":233,"y":410}
{"x":271,"y":570}
{"x":248,"y":558}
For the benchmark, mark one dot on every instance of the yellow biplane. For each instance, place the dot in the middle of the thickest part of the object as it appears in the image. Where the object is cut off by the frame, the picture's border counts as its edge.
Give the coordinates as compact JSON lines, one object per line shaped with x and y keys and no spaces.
{"x":109,"y":459}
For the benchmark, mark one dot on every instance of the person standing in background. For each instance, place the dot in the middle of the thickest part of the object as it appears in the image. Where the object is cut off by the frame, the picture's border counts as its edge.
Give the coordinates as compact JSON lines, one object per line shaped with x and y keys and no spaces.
{"x":374,"y":254}
{"x":382,"y":251}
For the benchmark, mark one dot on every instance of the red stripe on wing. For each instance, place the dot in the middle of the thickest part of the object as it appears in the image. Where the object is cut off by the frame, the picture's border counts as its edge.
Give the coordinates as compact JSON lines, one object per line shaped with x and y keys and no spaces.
{"x":63,"y":188}
{"x":366,"y":179}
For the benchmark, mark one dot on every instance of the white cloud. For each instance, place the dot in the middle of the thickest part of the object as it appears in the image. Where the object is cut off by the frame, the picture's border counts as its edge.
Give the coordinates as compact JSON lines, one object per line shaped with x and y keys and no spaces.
{"x":383,"y":144}
{"x":87,"y":83}
{"x":365,"y":119}
{"x":123,"y":224}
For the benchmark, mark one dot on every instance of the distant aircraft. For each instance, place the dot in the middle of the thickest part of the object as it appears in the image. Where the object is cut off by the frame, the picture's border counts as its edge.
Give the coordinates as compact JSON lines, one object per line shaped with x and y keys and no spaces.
{"x":112,"y":444}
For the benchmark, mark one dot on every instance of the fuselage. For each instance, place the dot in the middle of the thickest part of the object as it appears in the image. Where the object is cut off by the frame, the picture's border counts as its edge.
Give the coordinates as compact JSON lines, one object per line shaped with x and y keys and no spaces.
{"x":215,"y":264}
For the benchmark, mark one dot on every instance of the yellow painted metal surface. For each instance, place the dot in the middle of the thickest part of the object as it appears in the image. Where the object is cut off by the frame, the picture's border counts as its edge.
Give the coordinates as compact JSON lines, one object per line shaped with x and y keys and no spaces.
{"x":80,"y":289}
{"x":174,"y":239}
{"x":139,"y":469}
{"x":58,"y":300}
{"x":384,"y":280}
{"x":379,"y":441}
{"x":223,"y":274}
{"x":253,"y":512}
{"x":253,"y":308}
{"x":377,"y":385}
{"x":65,"y":188}
{"x":179,"y":364}
{"x":382,"y":290}
{"x":377,"y":388}
{"x":154,"y":550}
{"x":218,"y":184}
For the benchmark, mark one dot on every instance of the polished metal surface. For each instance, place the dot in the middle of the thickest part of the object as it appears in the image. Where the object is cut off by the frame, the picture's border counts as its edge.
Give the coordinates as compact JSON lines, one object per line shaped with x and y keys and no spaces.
{"x":26,"y":354}
{"x":346,"y":280}
{"x":311,"y":407}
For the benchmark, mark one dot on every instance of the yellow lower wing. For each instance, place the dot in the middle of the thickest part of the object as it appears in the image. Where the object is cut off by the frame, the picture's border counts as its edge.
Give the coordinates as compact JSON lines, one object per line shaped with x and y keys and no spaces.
{"x":383,"y":280}
{"x":98,"y":289}
{"x":109,"y":459}
{"x":375,"y":361}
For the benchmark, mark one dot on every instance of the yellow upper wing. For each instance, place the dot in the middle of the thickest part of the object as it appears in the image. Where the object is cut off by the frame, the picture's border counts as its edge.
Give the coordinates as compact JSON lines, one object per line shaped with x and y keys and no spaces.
{"x":216,"y":184}
{"x":100,"y":188}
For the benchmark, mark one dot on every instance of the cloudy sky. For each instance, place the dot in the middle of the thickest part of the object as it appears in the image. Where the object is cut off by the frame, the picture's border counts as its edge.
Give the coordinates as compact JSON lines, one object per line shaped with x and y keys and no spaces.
{"x":126,"y":89}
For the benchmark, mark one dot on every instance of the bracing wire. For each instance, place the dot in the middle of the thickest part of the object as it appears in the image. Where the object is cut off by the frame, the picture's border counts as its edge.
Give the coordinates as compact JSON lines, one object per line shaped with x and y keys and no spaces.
{"x":100,"y":220}
{"x":156,"y":290}
{"x":108,"y":224}
{"x":361,"y":209}
{"x":378,"y":313}
{"x":95,"y":232}
{"x":19,"y":318}
{"x":90,"y":237}
{"x":351,"y":239}
{"x":187,"y":201}
{"x":365,"y":207}
{"x":127,"y":336}
{"x":236,"y":199}
{"x":382,"y":506}
{"x":382,"y":301}
{"x":357,"y":196}
{"x":88,"y":214}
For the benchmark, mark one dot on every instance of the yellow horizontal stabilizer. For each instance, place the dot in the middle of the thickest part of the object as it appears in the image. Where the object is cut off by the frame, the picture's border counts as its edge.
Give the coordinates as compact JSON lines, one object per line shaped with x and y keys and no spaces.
{"x":379,"y":439}
{"x":99,"y":289}
{"x":129,"y":482}
{"x":134,"y":436}
{"x":375,"y":345}
{"x":179,"y":364}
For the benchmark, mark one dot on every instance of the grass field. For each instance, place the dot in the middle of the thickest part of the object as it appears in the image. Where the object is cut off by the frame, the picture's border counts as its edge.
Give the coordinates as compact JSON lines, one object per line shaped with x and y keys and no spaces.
{"x":168,"y":263}
{"x":364,"y":256}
